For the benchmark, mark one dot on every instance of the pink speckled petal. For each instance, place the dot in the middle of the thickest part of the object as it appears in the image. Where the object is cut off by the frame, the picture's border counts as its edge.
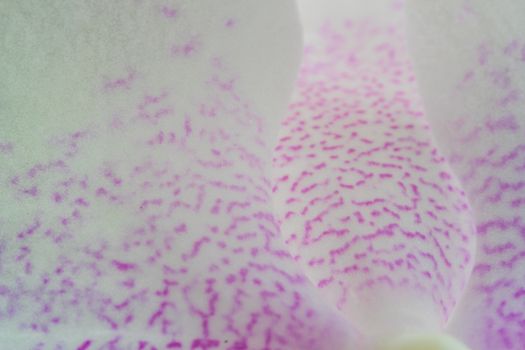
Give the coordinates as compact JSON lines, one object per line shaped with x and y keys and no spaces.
{"x":135,"y":196}
{"x":470,"y":59}
{"x":367,"y":204}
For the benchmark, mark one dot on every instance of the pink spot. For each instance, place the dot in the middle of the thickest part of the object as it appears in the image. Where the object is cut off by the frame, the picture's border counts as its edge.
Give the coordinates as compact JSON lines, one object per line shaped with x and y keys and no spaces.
{"x":122,"y":266}
{"x":169,"y":12}
{"x":116,"y":123}
{"x":230,"y":23}
{"x":123,"y":83}
{"x":182,"y":228}
{"x":483,"y":54}
{"x":6,"y":148}
{"x":187,"y":126}
{"x":507,"y":122}
{"x":33,"y":191}
{"x":57,"y":197}
{"x":187,"y":49}
{"x":85,"y":345}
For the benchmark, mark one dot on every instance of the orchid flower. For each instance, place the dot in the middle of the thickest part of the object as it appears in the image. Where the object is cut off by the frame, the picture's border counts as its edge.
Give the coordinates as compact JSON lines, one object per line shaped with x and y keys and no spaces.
{"x":157,"y":193}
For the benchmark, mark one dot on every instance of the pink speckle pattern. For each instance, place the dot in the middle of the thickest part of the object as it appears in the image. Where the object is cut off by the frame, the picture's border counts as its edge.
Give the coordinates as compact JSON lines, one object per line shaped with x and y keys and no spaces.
{"x":155,"y":230}
{"x":124,"y":82}
{"x":367,"y":205}
{"x":479,"y":122}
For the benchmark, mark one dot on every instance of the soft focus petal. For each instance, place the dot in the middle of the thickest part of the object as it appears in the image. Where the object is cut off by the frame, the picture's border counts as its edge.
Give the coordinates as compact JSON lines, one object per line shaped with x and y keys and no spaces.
{"x":367,"y":204}
{"x":470,"y":59}
{"x":135,"y":204}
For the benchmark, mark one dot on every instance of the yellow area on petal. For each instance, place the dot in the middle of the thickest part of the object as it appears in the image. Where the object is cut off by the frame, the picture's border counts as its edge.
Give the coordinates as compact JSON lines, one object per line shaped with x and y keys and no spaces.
{"x":424,"y":342}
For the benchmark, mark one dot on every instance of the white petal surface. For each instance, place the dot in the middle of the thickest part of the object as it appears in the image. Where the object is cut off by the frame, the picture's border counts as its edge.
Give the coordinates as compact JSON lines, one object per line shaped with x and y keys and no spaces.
{"x":367,"y":204}
{"x":135,"y":202}
{"x":470,"y":58}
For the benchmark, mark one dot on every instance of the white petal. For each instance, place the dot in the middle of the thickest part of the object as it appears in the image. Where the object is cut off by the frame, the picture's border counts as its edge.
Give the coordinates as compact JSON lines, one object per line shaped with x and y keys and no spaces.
{"x":135,"y":205}
{"x":470,"y":59}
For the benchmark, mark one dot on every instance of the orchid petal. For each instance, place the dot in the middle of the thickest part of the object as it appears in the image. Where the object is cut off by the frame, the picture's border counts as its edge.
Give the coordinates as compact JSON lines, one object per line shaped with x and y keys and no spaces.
{"x":135,"y":204}
{"x":367,"y":204}
{"x":470,"y":59}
